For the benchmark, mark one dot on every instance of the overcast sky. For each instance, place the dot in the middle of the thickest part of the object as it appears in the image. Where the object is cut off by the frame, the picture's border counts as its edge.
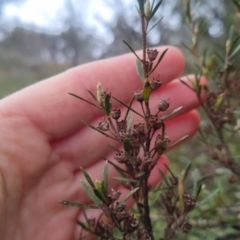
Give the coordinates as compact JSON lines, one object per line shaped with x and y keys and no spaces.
{"x":44,"y":13}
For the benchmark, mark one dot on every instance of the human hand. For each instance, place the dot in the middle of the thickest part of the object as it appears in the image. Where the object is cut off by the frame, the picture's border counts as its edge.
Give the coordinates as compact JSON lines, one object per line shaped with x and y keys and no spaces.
{"x":43,"y":142}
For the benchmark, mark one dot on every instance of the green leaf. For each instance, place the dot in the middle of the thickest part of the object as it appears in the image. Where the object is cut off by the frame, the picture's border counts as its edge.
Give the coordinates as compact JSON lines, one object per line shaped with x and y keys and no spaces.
{"x":236,"y":50}
{"x":179,"y":140}
{"x":113,"y":148}
{"x":140,"y":70}
{"x":141,"y":6}
{"x":79,"y":205}
{"x":219,"y":101}
{"x":146,"y":92}
{"x":125,"y":179}
{"x":180,"y":194}
{"x":91,"y":194}
{"x":209,"y":197}
{"x":83,"y":225}
{"x":186,"y":171}
{"x":130,"y":122}
{"x":121,"y":171}
{"x":128,"y":107}
{"x":107,"y":104}
{"x":159,"y":60}
{"x":236,"y":3}
{"x":155,"y":9}
{"x":172,"y":112}
{"x":164,"y":178}
{"x":195,"y":182}
{"x":88,"y":178}
{"x":155,"y":24}
{"x":127,"y":197}
{"x":93,"y":96}
{"x":126,"y":144}
{"x":76,"y":96}
{"x":105,"y":178}
{"x":131,"y":49}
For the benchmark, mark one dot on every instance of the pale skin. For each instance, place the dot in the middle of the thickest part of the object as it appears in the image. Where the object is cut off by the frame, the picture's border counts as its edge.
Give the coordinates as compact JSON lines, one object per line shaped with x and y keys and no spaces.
{"x":43,"y":142}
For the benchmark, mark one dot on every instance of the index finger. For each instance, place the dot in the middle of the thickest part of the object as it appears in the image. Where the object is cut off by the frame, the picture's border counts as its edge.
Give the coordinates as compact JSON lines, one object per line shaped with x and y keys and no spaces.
{"x":48,"y":106}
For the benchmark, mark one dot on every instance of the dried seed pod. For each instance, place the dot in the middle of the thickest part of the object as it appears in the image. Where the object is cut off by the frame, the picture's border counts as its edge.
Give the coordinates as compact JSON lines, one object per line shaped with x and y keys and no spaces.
{"x":189,"y":202}
{"x":152,"y":54}
{"x":163,"y":105}
{"x":115,"y":113}
{"x":114,"y":194}
{"x":103,"y":125}
{"x":143,"y":234}
{"x":155,"y":84}
{"x":121,"y":157}
{"x":122,"y":125}
{"x":186,"y":227}
{"x":131,"y":224}
{"x":161,"y":143}
{"x":139,"y":127}
{"x":155,"y":122}
{"x":139,"y":95}
{"x":147,"y":66}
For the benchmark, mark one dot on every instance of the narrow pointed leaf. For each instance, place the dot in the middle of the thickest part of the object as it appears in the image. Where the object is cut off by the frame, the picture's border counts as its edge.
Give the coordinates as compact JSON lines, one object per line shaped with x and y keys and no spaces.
{"x":124,"y":179}
{"x":92,"y":95}
{"x":91,"y":194}
{"x":236,"y":3}
{"x":74,"y":95}
{"x":88,"y":178}
{"x":219,"y":101}
{"x":180,"y":194}
{"x":107,"y":105}
{"x":126,"y":144}
{"x":127,"y":197}
{"x":186,"y":171}
{"x":131,"y":49}
{"x":105,"y":178}
{"x":209,"y":197}
{"x":146,"y":92}
{"x":155,"y":9}
{"x":159,"y":60}
{"x":140,"y":70}
{"x":121,"y":171}
{"x":141,"y":6}
{"x":236,"y":50}
{"x":83,"y":225}
{"x":155,"y":24}
{"x":164,"y":178}
{"x":130,"y":122}
{"x":79,"y":205}
{"x":128,"y":107}
{"x":113,"y":148}
{"x":172,"y":112}
{"x":98,"y":130}
{"x":180,"y":140}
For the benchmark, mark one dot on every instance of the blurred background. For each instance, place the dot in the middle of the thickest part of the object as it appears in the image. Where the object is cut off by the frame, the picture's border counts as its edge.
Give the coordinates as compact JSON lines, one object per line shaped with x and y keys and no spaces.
{"x":42,"y":38}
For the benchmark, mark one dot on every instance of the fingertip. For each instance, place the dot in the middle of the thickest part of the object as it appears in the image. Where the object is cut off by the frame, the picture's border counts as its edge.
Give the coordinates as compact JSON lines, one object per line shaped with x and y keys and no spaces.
{"x":172,"y":65}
